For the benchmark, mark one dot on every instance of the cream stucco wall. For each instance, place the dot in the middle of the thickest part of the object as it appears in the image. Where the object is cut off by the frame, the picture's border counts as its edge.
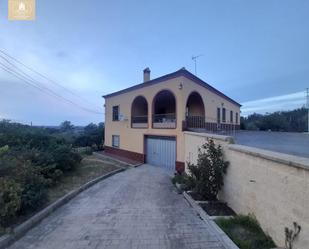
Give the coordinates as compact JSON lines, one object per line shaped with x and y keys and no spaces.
{"x":133,"y":139}
{"x":272,"y":186}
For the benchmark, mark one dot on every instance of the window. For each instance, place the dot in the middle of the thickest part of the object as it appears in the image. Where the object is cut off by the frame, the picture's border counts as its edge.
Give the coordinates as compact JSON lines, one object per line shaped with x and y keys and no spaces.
{"x":231,"y":117}
{"x":236,"y":117}
{"x":223,"y":115}
{"x":218,"y":115}
{"x":115,"y":113}
{"x":115,"y":141}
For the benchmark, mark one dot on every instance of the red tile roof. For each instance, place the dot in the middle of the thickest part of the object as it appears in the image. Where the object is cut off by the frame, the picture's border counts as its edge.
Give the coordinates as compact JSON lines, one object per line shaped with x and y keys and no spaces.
{"x":181,"y":72}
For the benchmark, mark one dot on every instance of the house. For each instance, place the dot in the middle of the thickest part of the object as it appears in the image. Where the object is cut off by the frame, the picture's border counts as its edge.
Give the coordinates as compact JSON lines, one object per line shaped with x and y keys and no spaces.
{"x":146,"y":122}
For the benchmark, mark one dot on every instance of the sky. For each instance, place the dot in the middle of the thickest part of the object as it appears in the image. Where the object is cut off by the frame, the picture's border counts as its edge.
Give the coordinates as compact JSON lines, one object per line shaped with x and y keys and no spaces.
{"x":256,"y":52}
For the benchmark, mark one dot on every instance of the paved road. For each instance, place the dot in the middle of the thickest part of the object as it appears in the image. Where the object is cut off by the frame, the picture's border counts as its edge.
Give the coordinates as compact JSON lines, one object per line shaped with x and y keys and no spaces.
{"x":284,"y":142}
{"x":134,"y":209}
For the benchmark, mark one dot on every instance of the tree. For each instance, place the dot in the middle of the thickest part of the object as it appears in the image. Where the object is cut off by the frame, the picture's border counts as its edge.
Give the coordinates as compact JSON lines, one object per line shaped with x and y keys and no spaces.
{"x":92,"y":136}
{"x":290,"y":121}
{"x":10,"y":200}
{"x":66,"y":126}
{"x":207,"y":174}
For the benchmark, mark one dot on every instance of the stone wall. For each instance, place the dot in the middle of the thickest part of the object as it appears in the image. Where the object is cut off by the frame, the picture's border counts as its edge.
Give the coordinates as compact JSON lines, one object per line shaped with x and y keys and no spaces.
{"x":272,"y":186}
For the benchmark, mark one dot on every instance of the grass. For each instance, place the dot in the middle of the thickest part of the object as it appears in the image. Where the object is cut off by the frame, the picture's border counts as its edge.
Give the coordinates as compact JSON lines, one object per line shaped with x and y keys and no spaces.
{"x":246,"y":232}
{"x":90,"y":168}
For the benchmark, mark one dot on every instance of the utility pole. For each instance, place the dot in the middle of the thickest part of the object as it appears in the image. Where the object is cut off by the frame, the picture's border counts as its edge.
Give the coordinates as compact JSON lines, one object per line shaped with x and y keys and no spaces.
{"x":307,"y":105}
{"x":194,"y":58}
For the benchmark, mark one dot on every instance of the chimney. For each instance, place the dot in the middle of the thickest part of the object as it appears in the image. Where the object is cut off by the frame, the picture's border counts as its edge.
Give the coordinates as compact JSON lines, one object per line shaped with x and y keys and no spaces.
{"x":146,"y":74}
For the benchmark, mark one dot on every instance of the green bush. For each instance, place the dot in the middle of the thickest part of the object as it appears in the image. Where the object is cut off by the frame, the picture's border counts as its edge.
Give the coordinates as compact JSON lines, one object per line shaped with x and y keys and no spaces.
{"x":184,"y":180}
{"x":178,"y":178}
{"x":206,"y":177}
{"x":4,"y":149}
{"x":92,"y":136}
{"x":34,"y":188}
{"x":65,"y":159}
{"x":10,"y":200}
{"x":31,"y":160}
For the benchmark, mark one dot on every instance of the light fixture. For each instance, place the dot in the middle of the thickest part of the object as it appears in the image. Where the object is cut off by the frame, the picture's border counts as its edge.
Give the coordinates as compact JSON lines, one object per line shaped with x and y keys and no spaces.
{"x":180,"y":86}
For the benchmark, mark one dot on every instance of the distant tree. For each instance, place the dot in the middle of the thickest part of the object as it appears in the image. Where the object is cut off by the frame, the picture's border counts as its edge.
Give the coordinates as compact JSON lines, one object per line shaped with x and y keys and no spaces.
{"x":292,"y":121}
{"x":91,"y":128}
{"x":92,"y":136}
{"x":66,"y":126}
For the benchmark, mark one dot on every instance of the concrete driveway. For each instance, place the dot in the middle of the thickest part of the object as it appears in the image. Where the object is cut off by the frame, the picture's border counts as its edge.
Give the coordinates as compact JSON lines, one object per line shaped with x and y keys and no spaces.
{"x":138,"y":208}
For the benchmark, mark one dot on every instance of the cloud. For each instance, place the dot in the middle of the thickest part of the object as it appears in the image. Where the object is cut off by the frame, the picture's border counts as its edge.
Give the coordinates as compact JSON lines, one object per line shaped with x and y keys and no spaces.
{"x":276,"y":103}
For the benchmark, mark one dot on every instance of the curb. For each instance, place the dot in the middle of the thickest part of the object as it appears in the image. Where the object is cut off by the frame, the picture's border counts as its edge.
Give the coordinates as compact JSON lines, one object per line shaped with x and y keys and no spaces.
{"x":23,"y":228}
{"x":219,"y":233}
{"x":117,"y":160}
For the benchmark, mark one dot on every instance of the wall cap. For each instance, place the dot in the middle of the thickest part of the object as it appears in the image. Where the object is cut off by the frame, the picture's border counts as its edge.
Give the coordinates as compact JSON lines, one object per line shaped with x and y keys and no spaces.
{"x":228,"y":139}
{"x":290,"y":160}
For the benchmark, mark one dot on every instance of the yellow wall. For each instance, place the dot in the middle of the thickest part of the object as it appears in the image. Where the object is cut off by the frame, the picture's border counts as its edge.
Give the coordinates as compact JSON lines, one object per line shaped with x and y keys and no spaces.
{"x":132,"y":139}
{"x":273,"y":186}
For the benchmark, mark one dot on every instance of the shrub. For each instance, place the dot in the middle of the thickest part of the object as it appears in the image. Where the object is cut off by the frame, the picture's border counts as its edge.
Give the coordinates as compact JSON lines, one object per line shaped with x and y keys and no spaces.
{"x":92,"y":135}
{"x":34,"y":191}
{"x":10,"y":200}
{"x":65,"y":159}
{"x":184,"y":180}
{"x":178,"y":178}
{"x":206,"y":177}
{"x":4,"y":149}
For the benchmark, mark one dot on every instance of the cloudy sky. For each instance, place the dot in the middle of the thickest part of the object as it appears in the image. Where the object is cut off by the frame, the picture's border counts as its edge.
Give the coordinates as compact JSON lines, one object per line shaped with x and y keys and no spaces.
{"x":254,"y":51}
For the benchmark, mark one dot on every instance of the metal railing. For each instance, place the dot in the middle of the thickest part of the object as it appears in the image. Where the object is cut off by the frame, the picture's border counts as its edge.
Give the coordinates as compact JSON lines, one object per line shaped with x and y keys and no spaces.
{"x":139,"y":121}
{"x":210,"y":125}
{"x":167,"y":120}
{"x":196,"y":122}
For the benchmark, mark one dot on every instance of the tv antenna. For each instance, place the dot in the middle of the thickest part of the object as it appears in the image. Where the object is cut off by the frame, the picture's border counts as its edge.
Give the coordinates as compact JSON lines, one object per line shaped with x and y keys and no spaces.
{"x":194,"y":58}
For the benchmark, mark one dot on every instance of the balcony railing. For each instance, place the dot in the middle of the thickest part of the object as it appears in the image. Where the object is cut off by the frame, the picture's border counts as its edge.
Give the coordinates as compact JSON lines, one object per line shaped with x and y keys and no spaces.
{"x":198,"y":123}
{"x":167,"y":120}
{"x":195,"y":122}
{"x":139,"y":121}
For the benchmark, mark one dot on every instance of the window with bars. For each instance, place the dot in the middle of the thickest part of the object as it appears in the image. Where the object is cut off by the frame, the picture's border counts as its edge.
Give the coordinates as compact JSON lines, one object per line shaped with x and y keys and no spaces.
{"x":223,"y":115}
{"x":218,"y":115}
{"x":231,"y":117}
{"x":116,"y":113}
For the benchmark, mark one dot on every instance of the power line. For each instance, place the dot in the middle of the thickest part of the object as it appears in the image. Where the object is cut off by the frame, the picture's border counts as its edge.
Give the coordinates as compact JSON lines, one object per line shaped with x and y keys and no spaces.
{"x":44,"y":89}
{"x":43,"y":76}
{"x":26,"y":78}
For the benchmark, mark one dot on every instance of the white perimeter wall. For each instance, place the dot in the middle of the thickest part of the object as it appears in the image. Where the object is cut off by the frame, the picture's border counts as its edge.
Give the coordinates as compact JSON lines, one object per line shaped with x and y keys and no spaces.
{"x":273,"y":186}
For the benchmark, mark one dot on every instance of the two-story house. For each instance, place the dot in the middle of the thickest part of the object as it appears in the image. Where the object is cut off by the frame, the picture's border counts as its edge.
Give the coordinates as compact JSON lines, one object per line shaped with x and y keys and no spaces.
{"x":146,"y":122}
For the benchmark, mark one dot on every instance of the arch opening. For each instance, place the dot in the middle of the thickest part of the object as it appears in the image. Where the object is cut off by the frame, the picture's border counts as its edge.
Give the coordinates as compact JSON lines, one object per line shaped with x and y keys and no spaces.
{"x":164,"y":110}
{"x":139,"y":113}
{"x":195,"y":111}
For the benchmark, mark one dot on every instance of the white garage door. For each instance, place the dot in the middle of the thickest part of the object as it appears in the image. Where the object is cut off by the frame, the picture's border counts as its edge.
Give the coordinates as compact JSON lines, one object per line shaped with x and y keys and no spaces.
{"x":161,"y":152}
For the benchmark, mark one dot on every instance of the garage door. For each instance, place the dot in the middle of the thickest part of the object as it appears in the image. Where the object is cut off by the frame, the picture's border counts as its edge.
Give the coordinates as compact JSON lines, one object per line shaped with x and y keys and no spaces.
{"x":161,"y":152}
